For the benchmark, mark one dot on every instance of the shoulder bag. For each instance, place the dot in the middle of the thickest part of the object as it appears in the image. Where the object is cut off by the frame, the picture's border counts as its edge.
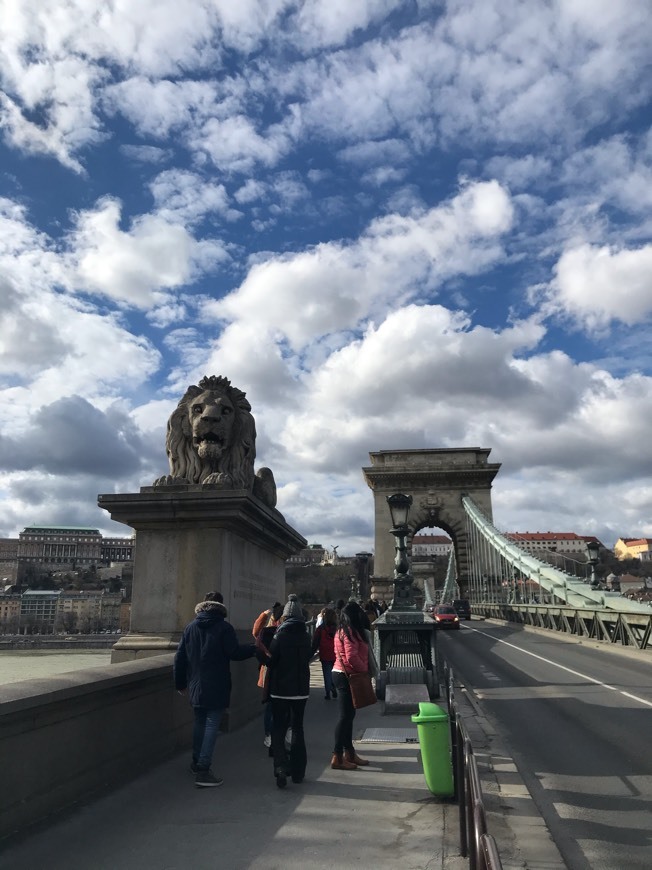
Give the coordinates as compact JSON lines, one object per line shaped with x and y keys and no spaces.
{"x":363,"y":693}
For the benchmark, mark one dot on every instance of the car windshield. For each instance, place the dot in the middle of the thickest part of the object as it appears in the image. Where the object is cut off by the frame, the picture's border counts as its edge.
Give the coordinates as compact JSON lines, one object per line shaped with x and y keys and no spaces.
{"x":445,"y":610}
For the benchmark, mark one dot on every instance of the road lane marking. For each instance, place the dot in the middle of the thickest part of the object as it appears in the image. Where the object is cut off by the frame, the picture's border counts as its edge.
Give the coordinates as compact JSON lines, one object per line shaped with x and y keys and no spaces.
{"x":564,"y":668}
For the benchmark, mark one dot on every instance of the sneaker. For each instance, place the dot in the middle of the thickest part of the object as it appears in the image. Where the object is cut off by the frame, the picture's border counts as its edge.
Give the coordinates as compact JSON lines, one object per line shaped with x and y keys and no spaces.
{"x":268,"y":740}
{"x":193,"y":767}
{"x":207,"y":779}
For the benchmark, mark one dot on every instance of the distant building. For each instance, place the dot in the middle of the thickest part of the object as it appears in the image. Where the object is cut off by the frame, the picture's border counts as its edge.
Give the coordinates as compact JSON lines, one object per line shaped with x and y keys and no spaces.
{"x":38,"y":609}
{"x":634,"y":548}
{"x":628,"y":583}
{"x":314,"y":554}
{"x":8,"y":561}
{"x":63,"y":548}
{"x":556,"y":542}
{"x":89,"y":611}
{"x":117,"y":550}
{"x":51,"y":611}
{"x":431,"y":545}
{"x":9,"y":612}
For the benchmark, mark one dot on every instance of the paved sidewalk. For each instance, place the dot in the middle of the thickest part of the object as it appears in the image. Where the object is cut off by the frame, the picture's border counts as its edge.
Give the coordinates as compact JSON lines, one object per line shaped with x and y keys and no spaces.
{"x":381,"y":817}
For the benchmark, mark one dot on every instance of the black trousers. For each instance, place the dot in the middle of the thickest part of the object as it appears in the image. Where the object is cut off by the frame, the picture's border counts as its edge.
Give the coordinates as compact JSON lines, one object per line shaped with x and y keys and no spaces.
{"x":344,"y":727}
{"x":288,"y":713}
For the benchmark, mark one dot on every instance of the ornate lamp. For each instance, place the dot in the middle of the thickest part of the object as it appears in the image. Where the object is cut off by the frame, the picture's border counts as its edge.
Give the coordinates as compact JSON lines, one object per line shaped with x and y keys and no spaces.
{"x":593,"y":550}
{"x":399,"y":508}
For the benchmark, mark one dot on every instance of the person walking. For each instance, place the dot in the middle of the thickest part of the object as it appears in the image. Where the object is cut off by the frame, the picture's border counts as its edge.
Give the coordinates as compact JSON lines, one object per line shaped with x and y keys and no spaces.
{"x":202,"y":669}
{"x":323,"y":642}
{"x":351,"y":656}
{"x":289,"y":688}
{"x":263,"y":630}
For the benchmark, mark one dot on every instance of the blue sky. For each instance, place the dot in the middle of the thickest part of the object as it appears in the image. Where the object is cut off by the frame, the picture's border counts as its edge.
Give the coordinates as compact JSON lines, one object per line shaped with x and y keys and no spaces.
{"x":392,"y":224}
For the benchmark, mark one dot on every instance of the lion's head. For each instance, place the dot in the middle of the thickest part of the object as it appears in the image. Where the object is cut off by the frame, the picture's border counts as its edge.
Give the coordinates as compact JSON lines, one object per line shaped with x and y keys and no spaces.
{"x":212,"y":434}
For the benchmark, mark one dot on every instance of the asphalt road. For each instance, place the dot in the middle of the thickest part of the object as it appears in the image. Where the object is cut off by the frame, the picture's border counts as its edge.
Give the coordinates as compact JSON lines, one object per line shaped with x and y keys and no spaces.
{"x":578,"y":721}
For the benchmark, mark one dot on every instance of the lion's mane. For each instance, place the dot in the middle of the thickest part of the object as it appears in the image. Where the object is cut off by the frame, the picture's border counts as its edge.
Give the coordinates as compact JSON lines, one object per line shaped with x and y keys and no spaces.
{"x":238,"y":459}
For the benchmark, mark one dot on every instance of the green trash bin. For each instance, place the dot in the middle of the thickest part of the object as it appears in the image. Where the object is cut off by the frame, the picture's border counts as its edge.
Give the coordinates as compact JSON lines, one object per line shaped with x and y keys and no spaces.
{"x":434,"y":740}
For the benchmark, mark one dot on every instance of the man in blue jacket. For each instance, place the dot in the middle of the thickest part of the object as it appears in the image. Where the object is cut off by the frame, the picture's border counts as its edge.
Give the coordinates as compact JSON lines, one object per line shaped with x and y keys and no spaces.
{"x":202,"y":666}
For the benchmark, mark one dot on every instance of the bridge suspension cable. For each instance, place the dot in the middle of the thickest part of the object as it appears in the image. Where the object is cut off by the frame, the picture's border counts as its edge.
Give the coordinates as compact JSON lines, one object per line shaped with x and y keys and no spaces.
{"x":499,"y":570}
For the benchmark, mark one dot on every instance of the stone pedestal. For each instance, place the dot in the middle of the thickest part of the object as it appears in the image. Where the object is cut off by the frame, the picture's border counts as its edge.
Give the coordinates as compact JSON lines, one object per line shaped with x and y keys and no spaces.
{"x":193,"y":539}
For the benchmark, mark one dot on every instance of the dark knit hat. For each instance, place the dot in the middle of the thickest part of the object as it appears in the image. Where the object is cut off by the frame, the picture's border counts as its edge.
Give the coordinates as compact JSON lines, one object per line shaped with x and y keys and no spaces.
{"x":292,"y":609}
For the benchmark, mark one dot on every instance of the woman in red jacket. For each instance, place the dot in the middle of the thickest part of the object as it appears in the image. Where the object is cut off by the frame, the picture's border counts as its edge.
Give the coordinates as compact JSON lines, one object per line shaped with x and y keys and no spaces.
{"x":351,"y":656}
{"x":324,"y":641}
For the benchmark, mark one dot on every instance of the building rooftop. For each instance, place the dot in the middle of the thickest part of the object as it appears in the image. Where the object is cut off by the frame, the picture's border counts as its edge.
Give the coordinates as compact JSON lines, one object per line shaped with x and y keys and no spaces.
{"x":37,"y":528}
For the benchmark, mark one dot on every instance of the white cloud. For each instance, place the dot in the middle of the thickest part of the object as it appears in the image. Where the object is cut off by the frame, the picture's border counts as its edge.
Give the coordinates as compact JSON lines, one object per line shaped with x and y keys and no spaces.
{"x":598,"y":285}
{"x":335,"y":286}
{"x":185,"y":197}
{"x":492,"y":72}
{"x":617,"y":171}
{"x":250,"y":191}
{"x":433,"y":368}
{"x":235,"y":145}
{"x":131,"y":267}
{"x":384,"y":151}
{"x":502,"y":71}
{"x":158,"y":108}
{"x":146,"y":153}
{"x":321,"y":24}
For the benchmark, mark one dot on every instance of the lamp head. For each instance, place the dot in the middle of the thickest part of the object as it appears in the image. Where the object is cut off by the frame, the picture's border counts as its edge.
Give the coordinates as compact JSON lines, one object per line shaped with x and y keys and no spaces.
{"x":399,"y":508}
{"x":593,"y":549}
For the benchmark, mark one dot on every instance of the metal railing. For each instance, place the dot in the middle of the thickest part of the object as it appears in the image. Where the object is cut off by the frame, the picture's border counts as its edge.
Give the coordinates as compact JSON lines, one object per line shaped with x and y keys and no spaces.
{"x":613,"y":627}
{"x":476,"y":843}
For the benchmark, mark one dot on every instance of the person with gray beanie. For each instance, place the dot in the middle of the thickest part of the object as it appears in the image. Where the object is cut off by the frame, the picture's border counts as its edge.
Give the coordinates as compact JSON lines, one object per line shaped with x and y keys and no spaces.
{"x":289,"y":688}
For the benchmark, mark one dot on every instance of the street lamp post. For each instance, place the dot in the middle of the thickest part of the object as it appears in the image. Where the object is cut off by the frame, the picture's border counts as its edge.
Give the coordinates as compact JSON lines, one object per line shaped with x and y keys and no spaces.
{"x":399,"y":508}
{"x":355,"y":588}
{"x":593,"y":550}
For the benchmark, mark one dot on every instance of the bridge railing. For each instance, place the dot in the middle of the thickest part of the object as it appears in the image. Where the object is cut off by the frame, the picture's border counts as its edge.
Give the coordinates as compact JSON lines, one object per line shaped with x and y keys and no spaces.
{"x":476,"y":843}
{"x":610,"y":626}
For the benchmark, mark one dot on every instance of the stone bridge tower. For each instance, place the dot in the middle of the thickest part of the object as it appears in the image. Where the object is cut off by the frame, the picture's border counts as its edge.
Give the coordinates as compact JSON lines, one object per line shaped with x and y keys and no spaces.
{"x":436,"y":479}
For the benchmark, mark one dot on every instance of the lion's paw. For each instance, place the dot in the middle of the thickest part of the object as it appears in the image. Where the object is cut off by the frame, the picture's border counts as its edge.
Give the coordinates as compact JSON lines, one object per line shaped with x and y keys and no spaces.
{"x":225,"y":481}
{"x":170,"y":480}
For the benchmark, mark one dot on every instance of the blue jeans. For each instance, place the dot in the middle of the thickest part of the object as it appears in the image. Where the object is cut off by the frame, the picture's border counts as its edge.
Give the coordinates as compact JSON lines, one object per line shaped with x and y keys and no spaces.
{"x":204,"y":736}
{"x":327,"y":671}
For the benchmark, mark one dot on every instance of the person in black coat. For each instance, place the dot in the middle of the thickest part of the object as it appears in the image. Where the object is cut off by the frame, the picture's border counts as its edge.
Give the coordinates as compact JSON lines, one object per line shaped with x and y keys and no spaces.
{"x":202,"y":667}
{"x":289,"y":687}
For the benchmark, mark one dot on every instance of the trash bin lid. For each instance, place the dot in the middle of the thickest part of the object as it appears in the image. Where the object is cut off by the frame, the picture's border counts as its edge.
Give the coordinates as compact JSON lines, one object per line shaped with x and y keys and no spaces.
{"x":429,"y":712}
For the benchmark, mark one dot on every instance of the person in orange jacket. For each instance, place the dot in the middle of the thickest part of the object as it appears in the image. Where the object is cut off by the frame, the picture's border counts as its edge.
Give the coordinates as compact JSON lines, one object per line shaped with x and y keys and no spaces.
{"x":263,"y":630}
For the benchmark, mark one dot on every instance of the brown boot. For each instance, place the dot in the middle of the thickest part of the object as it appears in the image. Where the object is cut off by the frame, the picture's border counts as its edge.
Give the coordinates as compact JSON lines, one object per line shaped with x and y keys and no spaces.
{"x":338,"y":762}
{"x":353,"y":758}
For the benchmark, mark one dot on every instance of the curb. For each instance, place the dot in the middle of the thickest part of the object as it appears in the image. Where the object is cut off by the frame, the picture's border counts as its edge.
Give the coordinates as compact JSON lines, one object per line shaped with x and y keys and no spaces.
{"x":513,"y":818}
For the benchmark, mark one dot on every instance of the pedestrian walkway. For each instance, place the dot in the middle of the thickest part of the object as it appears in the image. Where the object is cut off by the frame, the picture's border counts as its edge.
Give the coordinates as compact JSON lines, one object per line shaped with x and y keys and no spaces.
{"x":381,"y":817}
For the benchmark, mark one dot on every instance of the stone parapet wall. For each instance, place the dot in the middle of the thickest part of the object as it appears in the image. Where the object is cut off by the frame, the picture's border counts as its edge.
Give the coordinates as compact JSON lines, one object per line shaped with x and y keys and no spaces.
{"x":65,"y":738}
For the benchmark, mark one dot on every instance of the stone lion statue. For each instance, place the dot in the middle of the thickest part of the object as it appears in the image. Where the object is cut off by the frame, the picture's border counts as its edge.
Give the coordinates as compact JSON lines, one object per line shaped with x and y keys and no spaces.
{"x":211,"y":439}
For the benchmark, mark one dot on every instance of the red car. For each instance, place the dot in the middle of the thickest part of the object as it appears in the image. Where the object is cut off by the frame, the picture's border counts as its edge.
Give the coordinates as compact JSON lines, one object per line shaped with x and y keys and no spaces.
{"x":445,"y":617}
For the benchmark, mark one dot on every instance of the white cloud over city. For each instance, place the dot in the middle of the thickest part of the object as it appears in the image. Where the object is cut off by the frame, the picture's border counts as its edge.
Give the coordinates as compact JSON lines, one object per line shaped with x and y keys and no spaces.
{"x":394,"y":225}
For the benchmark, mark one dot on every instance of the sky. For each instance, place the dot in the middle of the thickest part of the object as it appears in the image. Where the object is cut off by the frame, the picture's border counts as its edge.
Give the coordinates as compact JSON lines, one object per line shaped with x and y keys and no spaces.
{"x":394,"y":224}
